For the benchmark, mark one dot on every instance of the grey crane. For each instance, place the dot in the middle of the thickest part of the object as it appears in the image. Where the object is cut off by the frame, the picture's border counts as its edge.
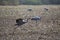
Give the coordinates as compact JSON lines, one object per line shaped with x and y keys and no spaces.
{"x":46,"y":9}
{"x":30,"y":9}
{"x":36,"y":18}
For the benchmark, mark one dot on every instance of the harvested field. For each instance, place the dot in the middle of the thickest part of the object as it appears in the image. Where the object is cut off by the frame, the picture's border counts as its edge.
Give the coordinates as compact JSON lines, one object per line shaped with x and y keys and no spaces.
{"x":48,"y":28}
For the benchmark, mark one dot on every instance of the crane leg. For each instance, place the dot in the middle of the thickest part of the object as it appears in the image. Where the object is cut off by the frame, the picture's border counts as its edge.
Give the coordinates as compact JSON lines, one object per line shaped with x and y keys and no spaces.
{"x":36,"y":23}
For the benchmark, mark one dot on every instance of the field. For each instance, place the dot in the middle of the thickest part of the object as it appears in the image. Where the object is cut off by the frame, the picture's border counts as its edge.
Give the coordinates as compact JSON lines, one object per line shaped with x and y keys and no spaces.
{"x":48,"y":28}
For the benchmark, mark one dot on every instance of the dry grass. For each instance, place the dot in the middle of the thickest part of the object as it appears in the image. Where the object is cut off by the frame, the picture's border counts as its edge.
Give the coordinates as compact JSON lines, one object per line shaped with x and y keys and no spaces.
{"x":48,"y":27}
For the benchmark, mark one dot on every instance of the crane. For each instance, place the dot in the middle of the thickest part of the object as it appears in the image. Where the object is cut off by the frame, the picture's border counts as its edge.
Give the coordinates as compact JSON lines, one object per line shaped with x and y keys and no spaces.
{"x":36,"y":18}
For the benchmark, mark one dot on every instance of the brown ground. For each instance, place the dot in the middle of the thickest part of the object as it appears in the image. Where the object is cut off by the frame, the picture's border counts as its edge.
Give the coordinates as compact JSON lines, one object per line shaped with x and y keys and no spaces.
{"x":48,"y":28}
